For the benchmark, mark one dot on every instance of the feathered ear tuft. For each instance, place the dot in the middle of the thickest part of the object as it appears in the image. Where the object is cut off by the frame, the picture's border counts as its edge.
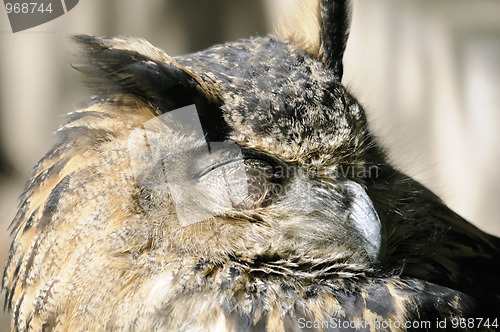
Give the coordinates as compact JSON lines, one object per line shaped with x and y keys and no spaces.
{"x":322,"y":31}
{"x":305,"y":33}
{"x":134,"y":66}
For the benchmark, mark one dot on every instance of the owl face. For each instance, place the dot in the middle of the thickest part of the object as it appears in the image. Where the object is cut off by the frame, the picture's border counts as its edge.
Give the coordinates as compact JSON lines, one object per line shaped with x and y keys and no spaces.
{"x":278,"y":144}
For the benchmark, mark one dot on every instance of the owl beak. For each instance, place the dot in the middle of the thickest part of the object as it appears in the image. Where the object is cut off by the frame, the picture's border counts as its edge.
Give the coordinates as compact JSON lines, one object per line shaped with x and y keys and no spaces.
{"x":364,"y":218}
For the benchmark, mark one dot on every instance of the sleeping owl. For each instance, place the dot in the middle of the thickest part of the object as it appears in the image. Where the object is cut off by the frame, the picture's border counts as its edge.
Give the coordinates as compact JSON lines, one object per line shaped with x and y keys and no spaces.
{"x":236,"y":189}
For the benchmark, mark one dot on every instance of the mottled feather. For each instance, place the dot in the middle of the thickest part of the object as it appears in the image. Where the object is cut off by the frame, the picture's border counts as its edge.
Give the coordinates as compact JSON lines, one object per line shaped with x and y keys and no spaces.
{"x":348,"y":239}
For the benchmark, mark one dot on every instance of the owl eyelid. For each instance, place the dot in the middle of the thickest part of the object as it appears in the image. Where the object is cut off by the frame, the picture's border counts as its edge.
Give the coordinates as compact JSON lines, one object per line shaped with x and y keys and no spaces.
{"x":217,"y":165}
{"x":258,"y":155}
{"x":280,"y":169}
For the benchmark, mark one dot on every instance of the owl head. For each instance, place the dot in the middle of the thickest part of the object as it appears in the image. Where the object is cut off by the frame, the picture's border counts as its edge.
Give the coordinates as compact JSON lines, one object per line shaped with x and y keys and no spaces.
{"x":249,"y":154}
{"x":258,"y":134}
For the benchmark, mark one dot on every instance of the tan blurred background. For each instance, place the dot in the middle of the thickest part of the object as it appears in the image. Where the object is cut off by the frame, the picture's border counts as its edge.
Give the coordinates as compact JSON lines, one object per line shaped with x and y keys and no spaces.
{"x":426,"y":71}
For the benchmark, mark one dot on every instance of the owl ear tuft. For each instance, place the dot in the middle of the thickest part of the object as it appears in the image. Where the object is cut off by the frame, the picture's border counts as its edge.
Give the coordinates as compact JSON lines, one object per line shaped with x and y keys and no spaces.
{"x":134,"y":66}
{"x":322,"y":31}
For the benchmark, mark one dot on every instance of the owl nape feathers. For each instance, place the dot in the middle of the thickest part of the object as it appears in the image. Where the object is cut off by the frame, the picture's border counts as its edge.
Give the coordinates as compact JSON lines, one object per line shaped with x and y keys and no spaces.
{"x":238,"y":188}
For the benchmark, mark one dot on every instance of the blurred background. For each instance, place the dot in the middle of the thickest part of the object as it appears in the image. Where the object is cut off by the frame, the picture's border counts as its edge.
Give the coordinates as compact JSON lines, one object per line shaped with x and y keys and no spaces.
{"x":426,"y":71}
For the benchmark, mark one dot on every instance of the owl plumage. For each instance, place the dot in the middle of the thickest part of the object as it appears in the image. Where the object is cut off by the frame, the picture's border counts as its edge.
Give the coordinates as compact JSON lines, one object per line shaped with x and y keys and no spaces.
{"x":325,"y":233}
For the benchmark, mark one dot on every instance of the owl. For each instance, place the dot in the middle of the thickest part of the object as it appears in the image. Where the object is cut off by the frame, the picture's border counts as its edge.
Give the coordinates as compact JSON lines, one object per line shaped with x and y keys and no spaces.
{"x":236,"y":189}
